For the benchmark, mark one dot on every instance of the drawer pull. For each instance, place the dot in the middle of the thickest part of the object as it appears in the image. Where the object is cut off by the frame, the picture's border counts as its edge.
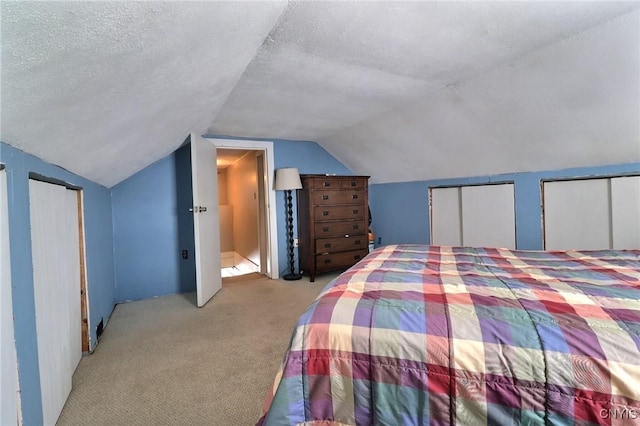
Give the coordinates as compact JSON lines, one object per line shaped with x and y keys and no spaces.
{"x":346,"y":235}
{"x":327,"y":245}
{"x":327,"y":261}
{"x":353,"y":183}
{"x":354,"y":197}
{"x":355,"y":211}
{"x":325,"y":197}
{"x":325,"y":213}
{"x":325,"y":229}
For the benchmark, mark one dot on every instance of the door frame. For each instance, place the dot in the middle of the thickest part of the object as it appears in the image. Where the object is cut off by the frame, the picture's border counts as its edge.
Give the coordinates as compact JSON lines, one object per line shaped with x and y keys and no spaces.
{"x":263,"y":237}
{"x":272,"y":268}
{"x":84,"y":295}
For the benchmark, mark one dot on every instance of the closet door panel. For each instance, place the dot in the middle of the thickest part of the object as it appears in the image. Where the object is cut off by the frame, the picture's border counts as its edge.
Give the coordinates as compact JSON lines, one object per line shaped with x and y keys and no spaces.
{"x":576,"y":214}
{"x":488,"y":216}
{"x":73,"y":314}
{"x":625,"y":212}
{"x":55,"y":250}
{"x":8,"y":364}
{"x":445,"y":217}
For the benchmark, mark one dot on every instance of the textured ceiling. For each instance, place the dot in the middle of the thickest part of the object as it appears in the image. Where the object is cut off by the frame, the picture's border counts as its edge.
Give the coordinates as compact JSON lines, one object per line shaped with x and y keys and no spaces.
{"x":400,"y":91}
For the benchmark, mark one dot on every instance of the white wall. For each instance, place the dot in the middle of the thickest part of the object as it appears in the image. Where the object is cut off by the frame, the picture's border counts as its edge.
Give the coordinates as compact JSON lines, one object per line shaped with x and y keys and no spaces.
{"x":222,"y":187}
{"x":243,"y":196}
{"x":226,"y":213}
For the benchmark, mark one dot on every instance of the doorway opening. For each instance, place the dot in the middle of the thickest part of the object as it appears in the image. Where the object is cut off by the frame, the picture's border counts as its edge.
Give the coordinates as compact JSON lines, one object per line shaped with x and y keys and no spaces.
{"x":247,"y":245}
{"x":238,"y":186}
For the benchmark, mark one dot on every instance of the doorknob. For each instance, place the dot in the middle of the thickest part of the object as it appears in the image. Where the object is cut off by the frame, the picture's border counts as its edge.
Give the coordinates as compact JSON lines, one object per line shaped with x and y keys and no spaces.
{"x":197,"y":209}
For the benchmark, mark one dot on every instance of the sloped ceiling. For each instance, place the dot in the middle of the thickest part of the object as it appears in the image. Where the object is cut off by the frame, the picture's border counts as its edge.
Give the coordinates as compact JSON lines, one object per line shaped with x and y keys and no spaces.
{"x":399,"y":91}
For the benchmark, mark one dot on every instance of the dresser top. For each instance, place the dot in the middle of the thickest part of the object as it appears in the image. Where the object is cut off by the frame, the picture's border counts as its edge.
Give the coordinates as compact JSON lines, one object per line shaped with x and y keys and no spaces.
{"x":318,"y":176}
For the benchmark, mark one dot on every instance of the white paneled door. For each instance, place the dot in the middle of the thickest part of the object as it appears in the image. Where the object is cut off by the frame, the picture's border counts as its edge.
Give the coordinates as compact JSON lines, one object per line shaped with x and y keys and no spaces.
{"x":206,"y":220}
{"x":625,"y":212}
{"x":577,"y":214}
{"x":55,"y":248}
{"x":446,"y":229}
{"x":9,"y":408}
{"x":474,"y":216}
{"x":488,"y":216}
{"x":599,"y":213}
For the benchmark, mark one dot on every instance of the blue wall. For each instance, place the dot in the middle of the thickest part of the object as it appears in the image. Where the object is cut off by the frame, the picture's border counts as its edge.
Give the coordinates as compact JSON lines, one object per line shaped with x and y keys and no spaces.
{"x":145,"y":233}
{"x":152,"y":224}
{"x":99,"y":263}
{"x":400,"y":211}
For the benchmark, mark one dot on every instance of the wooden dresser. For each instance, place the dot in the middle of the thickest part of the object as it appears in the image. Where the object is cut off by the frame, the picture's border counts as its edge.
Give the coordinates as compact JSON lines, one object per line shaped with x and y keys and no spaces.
{"x":333,"y":220}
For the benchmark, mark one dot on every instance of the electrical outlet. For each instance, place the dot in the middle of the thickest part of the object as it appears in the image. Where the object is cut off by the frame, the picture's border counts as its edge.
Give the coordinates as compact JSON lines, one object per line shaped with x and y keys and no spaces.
{"x":295,"y":242}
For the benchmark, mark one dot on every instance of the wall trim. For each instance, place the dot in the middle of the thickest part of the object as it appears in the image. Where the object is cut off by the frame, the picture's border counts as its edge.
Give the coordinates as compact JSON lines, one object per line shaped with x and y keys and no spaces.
{"x":493,"y":182}
{"x":589,"y":177}
{"x":53,"y":181}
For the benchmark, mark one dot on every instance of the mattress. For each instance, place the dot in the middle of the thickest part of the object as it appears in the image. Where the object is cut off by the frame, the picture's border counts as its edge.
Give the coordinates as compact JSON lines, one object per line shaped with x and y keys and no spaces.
{"x":436,"y":335}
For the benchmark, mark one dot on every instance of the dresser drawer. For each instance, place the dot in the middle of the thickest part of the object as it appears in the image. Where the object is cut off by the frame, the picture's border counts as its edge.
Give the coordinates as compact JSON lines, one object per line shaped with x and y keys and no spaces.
{"x":345,"y":182}
{"x":338,"y":212}
{"x":334,"y":229}
{"x":328,"y":183}
{"x":332,"y":245}
{"x":355,"y":183}
{"x":328,"y":262}
{"x":320,"y":198}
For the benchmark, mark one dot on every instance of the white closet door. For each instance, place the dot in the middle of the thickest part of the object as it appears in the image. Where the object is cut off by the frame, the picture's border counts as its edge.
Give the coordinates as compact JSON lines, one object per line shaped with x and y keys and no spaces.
{"x":445,"y":217}
{"x":9,"y":409}
{"x":488,"y":216}
{"x":73,"y":314}
{"x":576,"y":214}
{"x":56,"y":276}
{"x":625,"y":212}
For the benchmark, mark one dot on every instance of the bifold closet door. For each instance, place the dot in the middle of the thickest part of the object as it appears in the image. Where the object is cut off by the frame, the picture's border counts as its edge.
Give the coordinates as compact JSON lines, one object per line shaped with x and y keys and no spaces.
{"x":625,"y":212}
{"x":9,"y":409}
{"x":446,"y":225}
{"x":577,"y":215}
{"x":56,"y":280}
{"x":474,"y":215}
{"x":488,"y":216}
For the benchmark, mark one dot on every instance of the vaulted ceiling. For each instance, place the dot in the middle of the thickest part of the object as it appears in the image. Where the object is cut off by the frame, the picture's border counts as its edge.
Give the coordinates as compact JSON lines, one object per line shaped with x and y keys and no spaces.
{"x":399,"y":91}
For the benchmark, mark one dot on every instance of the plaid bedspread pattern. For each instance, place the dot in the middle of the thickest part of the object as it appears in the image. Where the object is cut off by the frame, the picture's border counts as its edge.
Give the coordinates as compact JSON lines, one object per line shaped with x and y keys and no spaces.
{"x":429,"y":335}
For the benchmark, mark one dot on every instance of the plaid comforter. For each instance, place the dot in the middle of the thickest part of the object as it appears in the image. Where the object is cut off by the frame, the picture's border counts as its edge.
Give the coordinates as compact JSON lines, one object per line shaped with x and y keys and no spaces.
{"x":417,"y":335}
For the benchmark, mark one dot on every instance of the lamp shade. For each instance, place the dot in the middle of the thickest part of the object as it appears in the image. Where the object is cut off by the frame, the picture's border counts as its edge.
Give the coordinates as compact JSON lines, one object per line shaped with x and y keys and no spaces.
{"x":287,"y":178}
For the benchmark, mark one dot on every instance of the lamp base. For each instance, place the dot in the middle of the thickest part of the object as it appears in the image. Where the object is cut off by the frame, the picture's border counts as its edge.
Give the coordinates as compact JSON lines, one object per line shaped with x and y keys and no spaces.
{"x":291,"y":277}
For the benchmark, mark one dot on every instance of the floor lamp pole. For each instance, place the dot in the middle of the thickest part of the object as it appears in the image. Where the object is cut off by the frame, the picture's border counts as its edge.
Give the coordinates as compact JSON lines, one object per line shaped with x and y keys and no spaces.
{"x":292,"y":275}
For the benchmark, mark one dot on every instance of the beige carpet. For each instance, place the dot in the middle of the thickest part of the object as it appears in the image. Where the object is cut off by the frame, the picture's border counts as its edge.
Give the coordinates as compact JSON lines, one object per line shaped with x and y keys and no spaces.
{"x":163,"y":361}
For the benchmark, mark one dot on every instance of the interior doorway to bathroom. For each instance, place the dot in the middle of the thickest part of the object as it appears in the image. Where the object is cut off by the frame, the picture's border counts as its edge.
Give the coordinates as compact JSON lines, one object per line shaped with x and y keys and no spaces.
{"x":242,"y":186}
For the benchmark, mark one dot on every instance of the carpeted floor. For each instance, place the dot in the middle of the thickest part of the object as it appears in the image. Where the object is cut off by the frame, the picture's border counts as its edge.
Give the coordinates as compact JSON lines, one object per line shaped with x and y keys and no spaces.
{"x":163,"y":361}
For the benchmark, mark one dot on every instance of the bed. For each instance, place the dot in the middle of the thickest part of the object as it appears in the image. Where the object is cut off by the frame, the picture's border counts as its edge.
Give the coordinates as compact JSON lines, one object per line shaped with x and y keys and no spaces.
{"x":434,"y":335}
